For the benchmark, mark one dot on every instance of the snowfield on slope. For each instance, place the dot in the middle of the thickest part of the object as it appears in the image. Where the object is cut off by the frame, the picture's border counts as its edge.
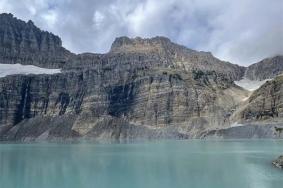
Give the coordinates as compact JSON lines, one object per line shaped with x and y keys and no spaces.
{"x":11,"y":69}
{"x":250,"y":85}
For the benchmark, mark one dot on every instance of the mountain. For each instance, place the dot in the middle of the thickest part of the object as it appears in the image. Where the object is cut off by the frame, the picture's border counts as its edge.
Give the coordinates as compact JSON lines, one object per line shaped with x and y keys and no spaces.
{"x":265,"y":69}
{"x":261,"y":116}
{"x":266,"y":102}
{"x":24,"y":43}
{"x":176,"y":56}
{"x":141,"y":88}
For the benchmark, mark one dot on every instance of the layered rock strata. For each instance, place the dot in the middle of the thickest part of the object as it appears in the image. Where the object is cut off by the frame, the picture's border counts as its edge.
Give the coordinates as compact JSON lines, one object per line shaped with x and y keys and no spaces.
{"x":141,"y":88}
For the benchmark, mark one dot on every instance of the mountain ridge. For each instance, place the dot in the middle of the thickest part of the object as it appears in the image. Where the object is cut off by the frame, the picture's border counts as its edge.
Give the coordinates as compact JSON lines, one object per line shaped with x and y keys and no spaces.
{"x":23,"y":42}
{"x":141,"y":88}
{"x":266,"y":68}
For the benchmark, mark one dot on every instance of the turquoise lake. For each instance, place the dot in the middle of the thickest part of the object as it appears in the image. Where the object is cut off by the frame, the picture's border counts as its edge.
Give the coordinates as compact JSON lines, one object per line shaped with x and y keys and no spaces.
{"x":150,"y":164}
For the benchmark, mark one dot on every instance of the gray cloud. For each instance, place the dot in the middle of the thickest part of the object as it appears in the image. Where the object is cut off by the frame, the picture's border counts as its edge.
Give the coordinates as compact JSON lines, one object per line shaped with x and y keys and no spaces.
{"x":242,"y":31}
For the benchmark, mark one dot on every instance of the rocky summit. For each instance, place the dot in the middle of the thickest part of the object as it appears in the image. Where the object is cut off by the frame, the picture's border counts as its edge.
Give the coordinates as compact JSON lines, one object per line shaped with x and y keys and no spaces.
{"x":24,"y":43}
{"x":141,"y":88}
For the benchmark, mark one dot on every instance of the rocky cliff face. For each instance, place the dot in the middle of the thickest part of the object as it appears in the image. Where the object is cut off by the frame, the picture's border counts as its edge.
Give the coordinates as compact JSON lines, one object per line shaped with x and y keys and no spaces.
{"x":260,"y":116}
{"x":164,"y":53}
{"x":142,"y":88}
{"x":24,"y":43}
{"x":266,"y":102}
{"x":98,"y":103}
{"x":265,"y":69}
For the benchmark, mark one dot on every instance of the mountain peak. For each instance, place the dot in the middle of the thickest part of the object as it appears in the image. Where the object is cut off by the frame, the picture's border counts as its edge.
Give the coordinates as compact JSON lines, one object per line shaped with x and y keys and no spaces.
{"x":30,"y":23}
{"x":140,"y":44}
{"x":23,"y":40}
{"x":9,"y":15}
{"x":10,"y":23}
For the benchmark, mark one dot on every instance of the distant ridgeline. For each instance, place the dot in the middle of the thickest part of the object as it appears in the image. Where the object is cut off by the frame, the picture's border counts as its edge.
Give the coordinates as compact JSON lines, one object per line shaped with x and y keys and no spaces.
{"x":141,"y":88}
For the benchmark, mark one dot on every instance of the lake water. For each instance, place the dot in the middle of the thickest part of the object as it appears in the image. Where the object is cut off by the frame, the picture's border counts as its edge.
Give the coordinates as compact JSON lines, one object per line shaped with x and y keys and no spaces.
{"x":151,"y":164}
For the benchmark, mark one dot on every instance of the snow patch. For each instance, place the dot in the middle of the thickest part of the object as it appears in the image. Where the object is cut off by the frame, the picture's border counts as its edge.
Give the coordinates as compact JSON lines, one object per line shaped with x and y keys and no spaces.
{"x":236,"y":124}
{"x":11,"y":69}
{"x":250,"y":85}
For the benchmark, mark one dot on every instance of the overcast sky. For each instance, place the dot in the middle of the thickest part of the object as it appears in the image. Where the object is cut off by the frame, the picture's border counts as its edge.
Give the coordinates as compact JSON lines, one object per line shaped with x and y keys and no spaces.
{"x":239,"y":31}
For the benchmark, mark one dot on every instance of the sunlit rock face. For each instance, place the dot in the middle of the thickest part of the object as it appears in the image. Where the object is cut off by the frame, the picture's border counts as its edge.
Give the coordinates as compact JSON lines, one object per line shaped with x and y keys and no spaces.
{"x":164,"y":53}
{"x":113,"y":105}
{"x":141,"y":88}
